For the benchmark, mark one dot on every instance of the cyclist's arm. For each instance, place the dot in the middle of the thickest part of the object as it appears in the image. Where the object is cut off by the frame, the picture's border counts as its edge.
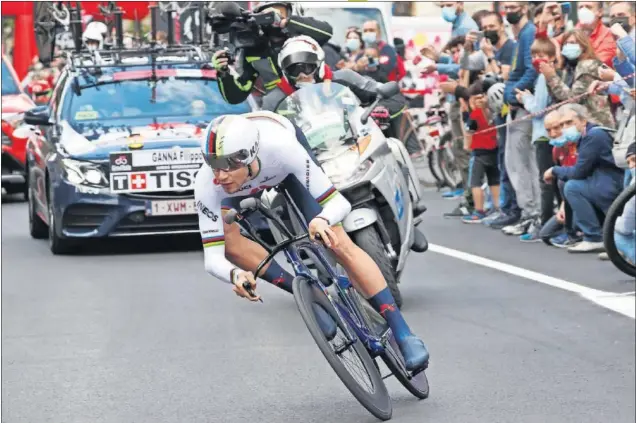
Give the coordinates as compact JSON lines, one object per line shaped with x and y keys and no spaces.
{"x":211,"y":228}
{"x":335,"y":206}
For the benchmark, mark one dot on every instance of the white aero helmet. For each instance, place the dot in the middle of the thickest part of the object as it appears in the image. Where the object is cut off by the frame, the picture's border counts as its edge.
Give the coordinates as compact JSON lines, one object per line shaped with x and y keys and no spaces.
{"x":230,"y":142}
{"x":496,"y":97}
{"x":92,"y":33}
{"x":301,"y":54}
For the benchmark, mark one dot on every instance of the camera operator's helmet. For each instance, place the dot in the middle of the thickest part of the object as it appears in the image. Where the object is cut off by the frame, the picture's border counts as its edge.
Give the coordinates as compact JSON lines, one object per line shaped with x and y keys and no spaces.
{"x":230,"y":142}
{"x":266,"y":4}
{"x":496,"y":97}
{"x":92,"y":33}
{"x":301,"y":54}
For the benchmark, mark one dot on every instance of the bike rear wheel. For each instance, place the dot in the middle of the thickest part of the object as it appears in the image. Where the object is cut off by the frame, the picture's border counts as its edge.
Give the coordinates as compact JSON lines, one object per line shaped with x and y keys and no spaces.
{"x":372,"y":392}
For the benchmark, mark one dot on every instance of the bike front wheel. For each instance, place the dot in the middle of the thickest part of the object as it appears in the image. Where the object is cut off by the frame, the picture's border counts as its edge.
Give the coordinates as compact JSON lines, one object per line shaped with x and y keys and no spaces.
{"x":352,"y":363}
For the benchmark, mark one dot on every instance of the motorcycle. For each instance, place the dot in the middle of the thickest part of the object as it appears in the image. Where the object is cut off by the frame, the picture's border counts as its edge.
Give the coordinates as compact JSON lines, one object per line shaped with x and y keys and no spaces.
{"x":373,"y":172}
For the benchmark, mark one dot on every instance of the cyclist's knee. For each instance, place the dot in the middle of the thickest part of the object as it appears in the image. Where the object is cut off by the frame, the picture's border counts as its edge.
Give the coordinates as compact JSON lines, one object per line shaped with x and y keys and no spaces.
{"x":346,"y":249}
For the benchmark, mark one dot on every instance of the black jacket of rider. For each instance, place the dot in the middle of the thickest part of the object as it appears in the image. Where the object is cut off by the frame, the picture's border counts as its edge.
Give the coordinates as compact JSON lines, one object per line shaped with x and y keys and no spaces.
{"x":262,"y":60}
{"x":364,"y":88}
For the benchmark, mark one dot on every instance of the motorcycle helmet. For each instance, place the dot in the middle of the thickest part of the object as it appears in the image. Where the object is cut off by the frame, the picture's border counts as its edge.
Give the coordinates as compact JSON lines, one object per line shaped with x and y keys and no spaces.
{"x":301,"y":54}
{"x":230,"y":142}
{"x":496,"y":98}
{"x":266,"y":4}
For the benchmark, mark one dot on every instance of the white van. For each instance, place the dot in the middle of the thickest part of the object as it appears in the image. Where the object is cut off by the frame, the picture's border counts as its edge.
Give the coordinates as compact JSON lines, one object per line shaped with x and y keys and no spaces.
{"x":343,"y":15}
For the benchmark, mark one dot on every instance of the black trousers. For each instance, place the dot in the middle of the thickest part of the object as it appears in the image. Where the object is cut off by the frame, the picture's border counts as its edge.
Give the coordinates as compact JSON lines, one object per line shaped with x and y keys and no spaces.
{"x":545,"y":162}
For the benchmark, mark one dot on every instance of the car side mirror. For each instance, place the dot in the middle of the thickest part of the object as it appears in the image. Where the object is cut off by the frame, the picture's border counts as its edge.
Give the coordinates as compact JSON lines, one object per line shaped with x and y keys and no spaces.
{"x":39,"y":116}
{"x":388,"y":89}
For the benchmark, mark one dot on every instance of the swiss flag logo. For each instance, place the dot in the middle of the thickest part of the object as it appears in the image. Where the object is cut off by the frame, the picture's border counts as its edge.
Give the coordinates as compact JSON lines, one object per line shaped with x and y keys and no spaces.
{"x":138,"y":181}
{"x":384,"y":60}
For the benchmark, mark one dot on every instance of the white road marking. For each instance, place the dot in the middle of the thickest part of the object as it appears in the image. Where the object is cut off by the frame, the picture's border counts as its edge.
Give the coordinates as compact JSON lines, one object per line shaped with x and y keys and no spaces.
{"x":621,"y":303}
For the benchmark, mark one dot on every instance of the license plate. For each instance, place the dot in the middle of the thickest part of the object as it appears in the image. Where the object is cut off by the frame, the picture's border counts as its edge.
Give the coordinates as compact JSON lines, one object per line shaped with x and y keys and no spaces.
{"x":170,"y":207}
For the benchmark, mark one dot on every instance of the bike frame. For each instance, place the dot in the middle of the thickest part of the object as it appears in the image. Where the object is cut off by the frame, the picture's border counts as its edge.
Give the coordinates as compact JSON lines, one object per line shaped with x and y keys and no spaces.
{"x":347,"y":309}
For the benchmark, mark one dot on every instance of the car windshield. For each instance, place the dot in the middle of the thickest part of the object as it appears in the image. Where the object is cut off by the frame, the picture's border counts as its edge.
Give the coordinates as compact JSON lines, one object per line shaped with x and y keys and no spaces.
{"x":133,"y":103}
{"x":9,"y":85}
{"x":342,"y":19}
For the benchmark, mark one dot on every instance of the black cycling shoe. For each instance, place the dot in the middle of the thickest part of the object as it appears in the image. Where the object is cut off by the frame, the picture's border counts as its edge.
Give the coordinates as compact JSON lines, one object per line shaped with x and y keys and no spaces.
{"x":326,"y":323}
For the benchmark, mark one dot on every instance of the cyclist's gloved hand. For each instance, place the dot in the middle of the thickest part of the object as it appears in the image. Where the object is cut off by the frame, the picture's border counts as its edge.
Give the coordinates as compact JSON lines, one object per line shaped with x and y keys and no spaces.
{"x":322,"y":228}
{"x":238,"y":278}
{"x":221,"y":60}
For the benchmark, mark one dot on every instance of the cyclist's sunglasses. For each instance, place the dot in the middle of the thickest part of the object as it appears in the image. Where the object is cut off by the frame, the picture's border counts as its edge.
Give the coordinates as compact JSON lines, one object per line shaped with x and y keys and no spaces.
{"x":294,"y":70}
{"x":227,"y":162}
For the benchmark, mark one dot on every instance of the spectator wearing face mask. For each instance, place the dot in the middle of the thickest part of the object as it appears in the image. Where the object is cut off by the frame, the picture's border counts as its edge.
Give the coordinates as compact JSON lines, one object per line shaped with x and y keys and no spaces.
{"x":623,"y":27}
{"x":389,"y":62}
{"x":559,"y":231}
{"x":590,"y":15}
{"x":543,"y":50}
{"x":581,"y":69}
{"x":625,"y":227}
{"x":594,"y":182}
{"x":373,"y":69}
{"x":519,"y":154}
{"x":496,"y":45}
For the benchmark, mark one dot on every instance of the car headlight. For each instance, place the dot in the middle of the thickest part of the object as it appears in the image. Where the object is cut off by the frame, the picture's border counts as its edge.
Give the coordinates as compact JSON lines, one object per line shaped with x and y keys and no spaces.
{"x":83,"y":173}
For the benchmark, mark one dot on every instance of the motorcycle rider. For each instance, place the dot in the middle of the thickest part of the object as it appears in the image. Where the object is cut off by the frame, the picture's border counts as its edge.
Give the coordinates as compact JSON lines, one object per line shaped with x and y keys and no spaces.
{"x":302,"y":53}
{"x":246,"y":154}
{"x":302,"y":61}
{"x":261,"y":60}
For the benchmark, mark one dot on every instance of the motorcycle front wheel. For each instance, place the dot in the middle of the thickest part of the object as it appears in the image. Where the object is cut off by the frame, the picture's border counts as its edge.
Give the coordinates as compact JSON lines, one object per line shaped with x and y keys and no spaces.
{"x":369,"y":240}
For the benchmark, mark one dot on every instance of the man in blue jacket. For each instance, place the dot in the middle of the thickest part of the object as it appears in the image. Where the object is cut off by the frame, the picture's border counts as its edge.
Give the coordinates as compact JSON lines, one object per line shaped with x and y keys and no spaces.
{"x":594,"y":182}
{"x":519,"y":151}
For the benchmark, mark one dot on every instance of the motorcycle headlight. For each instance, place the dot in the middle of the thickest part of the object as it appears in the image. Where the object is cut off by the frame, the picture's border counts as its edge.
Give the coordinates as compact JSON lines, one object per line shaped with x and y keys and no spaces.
{"x":10,"y":121}
{"x":83,"y":173}
{"x":346,"y":169}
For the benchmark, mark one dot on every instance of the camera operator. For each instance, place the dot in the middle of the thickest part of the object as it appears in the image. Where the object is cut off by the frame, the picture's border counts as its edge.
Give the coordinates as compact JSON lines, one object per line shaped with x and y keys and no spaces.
{"x":261,"y":60}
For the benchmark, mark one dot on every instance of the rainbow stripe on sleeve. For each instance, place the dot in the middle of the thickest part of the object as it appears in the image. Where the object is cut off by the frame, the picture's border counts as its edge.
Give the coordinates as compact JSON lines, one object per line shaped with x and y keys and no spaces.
{"x":327,"y":196}
{"x":213,"y":241}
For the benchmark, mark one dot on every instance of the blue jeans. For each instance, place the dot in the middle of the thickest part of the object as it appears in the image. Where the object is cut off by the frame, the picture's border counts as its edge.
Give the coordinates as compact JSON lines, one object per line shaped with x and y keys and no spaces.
{"x":626,"y":244}
{"x":507,"y":197}
{"x":585,"y":206}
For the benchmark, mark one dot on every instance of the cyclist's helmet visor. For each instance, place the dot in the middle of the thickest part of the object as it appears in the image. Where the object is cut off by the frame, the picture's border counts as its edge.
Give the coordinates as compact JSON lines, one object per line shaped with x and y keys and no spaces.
{"x":228,"y":161}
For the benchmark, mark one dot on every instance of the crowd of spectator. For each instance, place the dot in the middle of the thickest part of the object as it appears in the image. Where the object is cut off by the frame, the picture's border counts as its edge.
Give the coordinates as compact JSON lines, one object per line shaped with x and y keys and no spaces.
{"x":542,"y":117}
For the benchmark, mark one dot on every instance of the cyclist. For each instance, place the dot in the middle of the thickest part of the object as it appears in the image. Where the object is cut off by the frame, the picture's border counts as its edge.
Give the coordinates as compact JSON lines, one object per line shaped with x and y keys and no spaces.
{"x":261,"y":60}
{"x":246,"y":154}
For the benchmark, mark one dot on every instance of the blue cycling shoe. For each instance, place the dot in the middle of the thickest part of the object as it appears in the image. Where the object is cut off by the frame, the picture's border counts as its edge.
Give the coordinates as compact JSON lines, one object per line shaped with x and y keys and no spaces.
{"x":414,"y":352}
{"x":326,"y":323}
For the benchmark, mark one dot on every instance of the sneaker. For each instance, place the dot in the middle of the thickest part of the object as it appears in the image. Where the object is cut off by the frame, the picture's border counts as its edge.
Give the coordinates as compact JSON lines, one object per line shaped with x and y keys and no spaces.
{"x":565,"y":241}
{"x":532,"y":235}
{"x":453,"y":194}
{"x":459,"y":211}
{"x":518,"y":229}
{"x":476,"y":217}
{"x":491,"y":216}
{"x":559,"y":240}
{"x":414,"y":352}
{"x":587,"y":247}
{"x":326,"y":323}
{"x":504,"y":220}
{"x":603,"y":257}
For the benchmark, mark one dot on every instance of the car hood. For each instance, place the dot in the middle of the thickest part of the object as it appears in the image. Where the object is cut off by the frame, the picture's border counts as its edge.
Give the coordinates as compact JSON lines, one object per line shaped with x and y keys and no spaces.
{"x":16,"y":103}
{"x":96,"y":145}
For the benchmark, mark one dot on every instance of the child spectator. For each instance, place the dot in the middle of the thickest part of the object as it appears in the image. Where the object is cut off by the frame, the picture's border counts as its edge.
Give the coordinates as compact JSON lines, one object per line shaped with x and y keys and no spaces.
{"x":484,"y":152}
{"x":543,"y":50}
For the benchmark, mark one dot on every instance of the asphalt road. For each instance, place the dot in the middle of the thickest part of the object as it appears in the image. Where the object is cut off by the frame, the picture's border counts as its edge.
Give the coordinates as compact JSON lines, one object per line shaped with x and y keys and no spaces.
{"x":135,"y":331}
